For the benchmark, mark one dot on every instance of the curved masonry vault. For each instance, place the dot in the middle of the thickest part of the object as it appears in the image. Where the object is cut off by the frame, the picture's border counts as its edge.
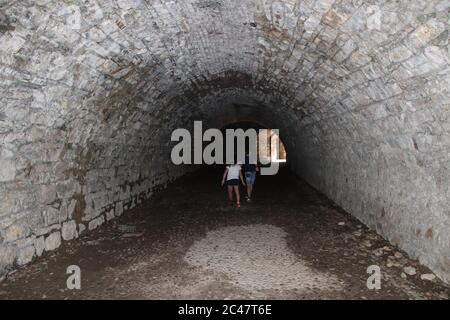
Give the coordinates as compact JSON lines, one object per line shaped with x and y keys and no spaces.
{"x":86,"y":111}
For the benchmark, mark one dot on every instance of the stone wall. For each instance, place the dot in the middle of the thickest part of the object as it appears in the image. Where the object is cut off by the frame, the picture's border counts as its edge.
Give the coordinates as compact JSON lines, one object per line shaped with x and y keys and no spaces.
{"x":91,"y":90}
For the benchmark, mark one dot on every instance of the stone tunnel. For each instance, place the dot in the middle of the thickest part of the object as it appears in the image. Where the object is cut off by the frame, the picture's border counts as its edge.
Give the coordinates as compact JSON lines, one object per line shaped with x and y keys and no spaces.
{"x":90,"y":92}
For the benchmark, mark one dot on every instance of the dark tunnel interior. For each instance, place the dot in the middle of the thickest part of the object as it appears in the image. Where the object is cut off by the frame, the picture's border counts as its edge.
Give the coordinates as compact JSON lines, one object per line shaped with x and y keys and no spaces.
{"x":92,"y":93}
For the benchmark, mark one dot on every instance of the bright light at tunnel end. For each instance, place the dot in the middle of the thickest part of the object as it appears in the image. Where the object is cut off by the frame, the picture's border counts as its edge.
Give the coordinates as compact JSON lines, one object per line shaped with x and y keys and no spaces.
{"x":259,"y":143}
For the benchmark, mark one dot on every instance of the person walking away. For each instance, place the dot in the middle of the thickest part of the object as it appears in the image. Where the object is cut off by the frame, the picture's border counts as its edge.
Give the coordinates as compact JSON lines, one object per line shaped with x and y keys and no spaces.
{"x":232,"y":174}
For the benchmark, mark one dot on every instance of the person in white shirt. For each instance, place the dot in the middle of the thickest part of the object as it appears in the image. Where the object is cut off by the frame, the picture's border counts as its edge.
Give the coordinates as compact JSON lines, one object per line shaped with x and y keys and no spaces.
{"x":232,"y":174}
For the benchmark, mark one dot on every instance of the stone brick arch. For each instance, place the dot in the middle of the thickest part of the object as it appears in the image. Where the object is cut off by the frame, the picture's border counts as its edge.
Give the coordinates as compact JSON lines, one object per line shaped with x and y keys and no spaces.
{"x":88,"y":96}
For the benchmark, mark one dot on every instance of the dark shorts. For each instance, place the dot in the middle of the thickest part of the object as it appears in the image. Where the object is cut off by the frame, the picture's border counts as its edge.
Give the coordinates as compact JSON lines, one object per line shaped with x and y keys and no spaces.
{"x":233,"y":182}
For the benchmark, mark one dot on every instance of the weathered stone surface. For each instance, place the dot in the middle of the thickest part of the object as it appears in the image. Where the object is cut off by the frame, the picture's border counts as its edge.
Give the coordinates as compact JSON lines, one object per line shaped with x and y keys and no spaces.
{"x":427,"y":276}
{"x":427,"y":32}
{"x":411,"y":271}
{"x":8,"y":255}
{"x":359,"y":91}
{"x":53,"y":241}
{"x":93,"y":224}
{"x":81,"y":228}
{"x":7,"y":170}
{"x":39,"y":245}
{"x":69,"y":230}
{"x":18,"y":230}
{"x":110,"y":215}
{"x":25,"y":255}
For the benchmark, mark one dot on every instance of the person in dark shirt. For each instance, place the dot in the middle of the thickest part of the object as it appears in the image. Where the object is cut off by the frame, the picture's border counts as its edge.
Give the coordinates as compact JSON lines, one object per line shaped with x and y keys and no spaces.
{"x":250,"y":170}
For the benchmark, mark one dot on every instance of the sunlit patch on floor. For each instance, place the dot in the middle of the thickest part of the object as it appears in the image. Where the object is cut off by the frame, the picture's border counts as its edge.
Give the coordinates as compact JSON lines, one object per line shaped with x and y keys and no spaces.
{"x":256,"y":257}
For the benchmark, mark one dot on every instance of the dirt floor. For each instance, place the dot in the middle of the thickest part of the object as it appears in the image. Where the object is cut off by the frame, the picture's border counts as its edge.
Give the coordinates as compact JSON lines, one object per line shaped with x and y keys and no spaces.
{"x":190,"y":242}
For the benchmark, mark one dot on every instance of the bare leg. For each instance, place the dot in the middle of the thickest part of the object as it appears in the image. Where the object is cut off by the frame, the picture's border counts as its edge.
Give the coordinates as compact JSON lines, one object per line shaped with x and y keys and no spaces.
{"x":230,"y":192}
{"x":236,"y":191}
{"x":249,"y":190}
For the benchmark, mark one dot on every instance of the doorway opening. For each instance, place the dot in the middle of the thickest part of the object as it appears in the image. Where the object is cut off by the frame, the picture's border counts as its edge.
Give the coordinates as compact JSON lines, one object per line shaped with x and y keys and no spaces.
{"x":269,"y":146}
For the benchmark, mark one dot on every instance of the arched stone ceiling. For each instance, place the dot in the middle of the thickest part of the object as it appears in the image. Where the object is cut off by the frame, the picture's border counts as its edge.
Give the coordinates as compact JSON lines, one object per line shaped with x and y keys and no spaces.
{"x":91,"y":90}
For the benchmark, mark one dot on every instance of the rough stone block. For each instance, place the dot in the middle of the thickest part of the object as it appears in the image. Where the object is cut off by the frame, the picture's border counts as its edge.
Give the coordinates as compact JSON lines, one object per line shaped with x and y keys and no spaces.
{"x":39,"y":245}
{"x":53,"y":241}
{"x":25,"y":255}
{"x":93,"y":224}
{"x":8,"y":255}
{"x":7,"y":170}
{"x":69,"y":230}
